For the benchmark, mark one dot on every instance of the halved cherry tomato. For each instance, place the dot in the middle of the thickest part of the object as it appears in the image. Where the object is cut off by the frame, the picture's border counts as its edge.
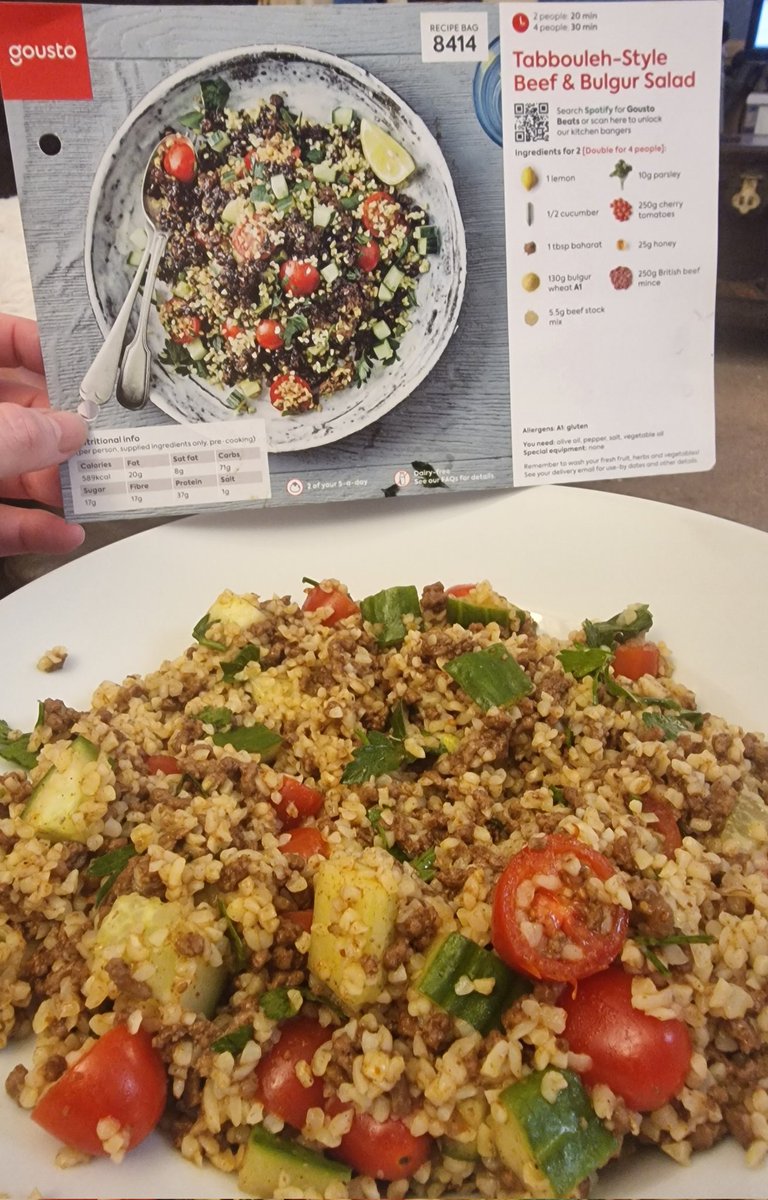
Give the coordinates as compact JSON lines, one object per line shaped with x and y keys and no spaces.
{"x":297,"y":802}
{"x":299,"y":278}
{"x":635,"y":659}
{"x":296,"y":152}
{"x":665,"y":825}
{"x":380,"y":214}
{"x":460,"y":589}
{"x":306,"y":841}
{"x":122,"y":1076}
{"x":251,"y":239}
{"x":280,"y":1090}
{"x":179,"y":160}
{"x":340,"y":604}
{"x":290,"y":393}
{"x":556,"y":932}
{"x":368,"y":257}
{"x":248,"y":161}
{"x":269,"y":334}
{"x":640,"y":1058}
{"x":186,"y":329}
{"x":384,"y":1149}
{"x":301,"y":917}
{"x":162,"y":764}
{"x":231,"y":329}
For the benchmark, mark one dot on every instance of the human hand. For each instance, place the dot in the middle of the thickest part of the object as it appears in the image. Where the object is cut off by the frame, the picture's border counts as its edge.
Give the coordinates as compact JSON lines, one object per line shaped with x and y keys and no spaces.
{"x":33,"y":440}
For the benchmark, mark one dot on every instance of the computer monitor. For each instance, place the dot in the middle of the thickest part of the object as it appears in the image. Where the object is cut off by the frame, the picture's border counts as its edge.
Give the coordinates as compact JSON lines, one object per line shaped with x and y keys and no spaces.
{"x":756,"y":47}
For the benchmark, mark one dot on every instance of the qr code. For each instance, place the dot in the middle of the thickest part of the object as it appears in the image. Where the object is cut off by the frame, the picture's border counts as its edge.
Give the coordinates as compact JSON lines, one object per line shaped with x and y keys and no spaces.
{"x":531,"y":122}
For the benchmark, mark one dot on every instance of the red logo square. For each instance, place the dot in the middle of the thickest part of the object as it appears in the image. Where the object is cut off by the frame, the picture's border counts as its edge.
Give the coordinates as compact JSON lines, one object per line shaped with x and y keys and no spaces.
{"x":43,"y":53}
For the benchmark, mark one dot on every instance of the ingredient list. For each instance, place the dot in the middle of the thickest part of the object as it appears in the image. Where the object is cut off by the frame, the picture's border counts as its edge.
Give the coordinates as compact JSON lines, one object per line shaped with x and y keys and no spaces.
{"x":611,"y":126}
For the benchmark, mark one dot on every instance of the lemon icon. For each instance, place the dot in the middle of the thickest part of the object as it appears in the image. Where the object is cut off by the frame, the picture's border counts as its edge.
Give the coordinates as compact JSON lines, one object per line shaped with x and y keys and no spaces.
{"x":388,"y":160}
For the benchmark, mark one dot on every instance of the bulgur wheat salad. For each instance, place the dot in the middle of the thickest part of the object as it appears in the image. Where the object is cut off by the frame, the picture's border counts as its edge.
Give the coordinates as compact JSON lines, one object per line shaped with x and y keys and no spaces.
{"x":293,"y":252}
{"x":390,"y":896}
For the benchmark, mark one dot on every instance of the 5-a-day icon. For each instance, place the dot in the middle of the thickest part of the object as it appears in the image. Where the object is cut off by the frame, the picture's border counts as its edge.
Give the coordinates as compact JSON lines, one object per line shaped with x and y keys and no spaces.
{"x":520,"y":22}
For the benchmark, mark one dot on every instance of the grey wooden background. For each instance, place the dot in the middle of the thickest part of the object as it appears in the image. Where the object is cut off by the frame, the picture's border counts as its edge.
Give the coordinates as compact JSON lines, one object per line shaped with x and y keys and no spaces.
{"x":459,"y":417}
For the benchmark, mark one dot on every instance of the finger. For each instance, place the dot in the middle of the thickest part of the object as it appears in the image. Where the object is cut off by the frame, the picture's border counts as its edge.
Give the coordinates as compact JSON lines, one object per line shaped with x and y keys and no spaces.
{"x":32,"y":438}
{"x":19,"y":391}
{"x":33,"y":531}
{"x":44,"y":487}
{"x":20,"y":343}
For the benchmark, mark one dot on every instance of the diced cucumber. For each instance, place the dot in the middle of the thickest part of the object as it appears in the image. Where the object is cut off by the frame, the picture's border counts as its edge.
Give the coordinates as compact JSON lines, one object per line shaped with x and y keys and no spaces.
{"x":231,"y":608}
{"x":235,"y":211}
{"x":138,"y":238}
{"x":330,"y":272}
{"x":134,"y":258}
{"x":456,"y":957}
{"x":195,"y":981}
{"x":462,"y":612}
{"x":284,"y":204}
{"x":463,"y":1151}
{"x":197,"y":349}
{"x":467,"y":1118}
{"x":343,"y":117}
{"x":381,"y":330}
{"x":393,"y":279}
{"x":183,"y":290}
{"x":383,"y":351}
{"x":353,"y":924}
{"x":279,"y":185}
{"x":54,"y":806}
{"x":429,"y":234}
{"x":325,"y":172}
{"x":551,"y":1145}
{"x":250,"y":388}
{"x":273,"y":1165}
{"x":321,"y":215}
{"x":384,"y":293}
{"x":421,"y":246}
{"x":218,"y":140}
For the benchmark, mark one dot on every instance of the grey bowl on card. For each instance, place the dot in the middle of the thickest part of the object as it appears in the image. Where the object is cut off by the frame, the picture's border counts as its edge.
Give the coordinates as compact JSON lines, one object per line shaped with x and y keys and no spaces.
{"x":314,"y":83}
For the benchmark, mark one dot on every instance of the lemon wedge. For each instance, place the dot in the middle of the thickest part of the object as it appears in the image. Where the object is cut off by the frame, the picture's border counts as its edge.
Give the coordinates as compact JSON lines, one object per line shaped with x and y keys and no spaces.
{"x":388,"y":160}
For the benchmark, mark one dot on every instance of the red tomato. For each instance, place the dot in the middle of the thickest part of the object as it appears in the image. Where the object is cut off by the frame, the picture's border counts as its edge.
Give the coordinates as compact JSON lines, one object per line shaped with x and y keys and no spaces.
{"x":297,"y":802}
{"x":340,"y":603}
{"x":162,"y":764}
{"x":279,"y":1088}
{"x":301,"y":917}
{"x":383,"y":1149}
{"x":380,"y":214}
{"x":635,"y":659}
{"x":561,"y":918}
{"x":460,"y":589}
{"x":186,"y":329}
{"x":306,"y":841}
{"x":269,"y":334}
{"x":665,"y":825}
{"x":296,"y":152}
{"x":251,"y":240}
{"x":122,"y":1076}
{"x":299,"y":278}
{"x":642,"y":1059}
{"x":291,"y":393}
{"x":368,"y":257}
{"x":248,"y":161}
{"x":179,"y":160}
{"x":230,"y":328}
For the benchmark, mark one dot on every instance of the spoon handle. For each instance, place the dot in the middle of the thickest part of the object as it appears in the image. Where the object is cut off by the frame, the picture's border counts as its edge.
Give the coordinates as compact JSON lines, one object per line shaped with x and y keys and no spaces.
{"x":99,"y":380}
{"x":133,"y":380}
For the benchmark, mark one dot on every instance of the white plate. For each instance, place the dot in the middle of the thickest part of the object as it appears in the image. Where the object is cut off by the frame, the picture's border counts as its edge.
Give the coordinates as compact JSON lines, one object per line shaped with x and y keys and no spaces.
{"x":565,"y":554}
{"x":314,"y":84}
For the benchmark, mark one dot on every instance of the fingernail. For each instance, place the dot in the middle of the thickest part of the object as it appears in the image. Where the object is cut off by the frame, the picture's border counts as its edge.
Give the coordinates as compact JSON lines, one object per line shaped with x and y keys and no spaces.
{"x":72,"y":431}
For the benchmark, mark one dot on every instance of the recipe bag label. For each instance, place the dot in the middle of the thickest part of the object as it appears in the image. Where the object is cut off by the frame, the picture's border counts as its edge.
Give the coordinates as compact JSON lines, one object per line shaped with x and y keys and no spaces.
{"x":611,"y":180}
{"x":291,"y":254}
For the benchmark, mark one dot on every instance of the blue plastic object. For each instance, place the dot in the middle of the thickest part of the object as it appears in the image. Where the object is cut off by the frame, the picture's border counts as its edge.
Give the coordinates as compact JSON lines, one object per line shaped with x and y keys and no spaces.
{"x":486,"y":93}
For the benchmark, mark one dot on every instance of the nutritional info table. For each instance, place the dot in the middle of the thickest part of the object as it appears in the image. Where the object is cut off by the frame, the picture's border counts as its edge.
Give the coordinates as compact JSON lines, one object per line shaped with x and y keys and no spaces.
{"x":121,"y":470}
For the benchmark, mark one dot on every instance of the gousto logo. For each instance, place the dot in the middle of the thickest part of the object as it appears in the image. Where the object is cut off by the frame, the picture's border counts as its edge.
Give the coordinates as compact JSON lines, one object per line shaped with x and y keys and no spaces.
{"x":24,"y":51}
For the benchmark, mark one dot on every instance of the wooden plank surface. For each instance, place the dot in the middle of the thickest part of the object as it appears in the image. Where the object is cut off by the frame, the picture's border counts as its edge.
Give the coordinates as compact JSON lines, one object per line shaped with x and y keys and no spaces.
{"x":460,"y":413}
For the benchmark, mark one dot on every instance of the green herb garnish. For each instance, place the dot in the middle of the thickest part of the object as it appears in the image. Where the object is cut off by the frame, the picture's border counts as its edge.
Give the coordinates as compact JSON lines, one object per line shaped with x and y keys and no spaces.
{"x":198,"y":633}
{"x":581,"y":661}
{"x":618,"y":628}
{"x":235,"y":1042}
{"x":672,"y":939}
{"x":237,"y":945}
{"x":315,"y":154}
{"x":248,"y":654}
{"x":16,"y":749}
{"x":107,"y":867}
{"x":219,"y":718}
{"x":424,"y":865}
{"x":490,"y":677}
{"x":673,"y":726}
{"x":296,"y":323}
{"x":350,"y":202}
{"x":277,"y":1004}
{"x":256,"y":739}
{"x":214,"y":94}
{"x":558,"y":795}
{"x":191,"y":120}
{"x":397,"y":721}
{"x":385,"y":610}
{"x":379,"y":754}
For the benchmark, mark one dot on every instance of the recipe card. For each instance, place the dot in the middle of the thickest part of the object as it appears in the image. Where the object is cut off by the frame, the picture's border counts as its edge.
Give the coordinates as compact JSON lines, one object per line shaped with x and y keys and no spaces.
{"x":292,"y":254}
{"x":610,"y":117}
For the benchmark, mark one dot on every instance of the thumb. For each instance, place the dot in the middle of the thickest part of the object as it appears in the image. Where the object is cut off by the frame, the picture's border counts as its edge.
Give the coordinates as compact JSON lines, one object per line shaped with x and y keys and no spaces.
{"x":33,"y":438}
